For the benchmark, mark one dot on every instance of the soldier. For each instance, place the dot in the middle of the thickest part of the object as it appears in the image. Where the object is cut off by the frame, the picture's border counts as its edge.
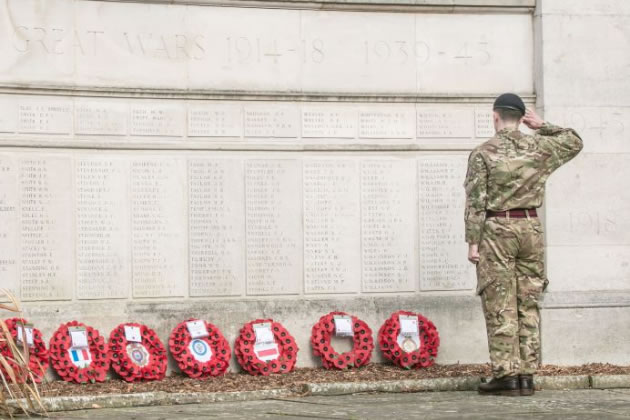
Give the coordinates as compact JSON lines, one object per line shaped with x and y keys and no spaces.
{"x":505,"y":184}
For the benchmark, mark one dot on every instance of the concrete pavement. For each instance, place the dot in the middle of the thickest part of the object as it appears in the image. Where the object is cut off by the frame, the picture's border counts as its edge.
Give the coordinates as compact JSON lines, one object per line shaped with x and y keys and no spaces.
{"x":575,"y":404}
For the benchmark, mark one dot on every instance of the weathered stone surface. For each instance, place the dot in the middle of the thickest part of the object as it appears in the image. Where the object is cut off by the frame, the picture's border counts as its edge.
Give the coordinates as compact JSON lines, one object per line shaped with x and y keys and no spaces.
{"x":610,"y":381}
{"x":223,"y":48}
{"x":232,"y":163}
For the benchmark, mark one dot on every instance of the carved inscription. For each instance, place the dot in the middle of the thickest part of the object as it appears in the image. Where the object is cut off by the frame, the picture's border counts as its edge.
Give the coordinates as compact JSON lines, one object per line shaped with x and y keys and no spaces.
{"x":443,"y":263}
{"x":216,"y":227}
{"x":215,"y":121}
{"x":274,"y":226}
{"x":157,"y":120}
{"x":484,"y":127}
{"x":444,"y":123}
{"x":9,"y":227}
{"x":241,"y":48}
{"x":44,"y":116}
{"x":158,"y":228}
{"x":99,"y":118}
{"x":271,"y":122}
{"x":329,"y":122}
{"x":103,"y":240}
{"x":388,"y":225}
{"x":47,"y":227}
{"x":332,"y":260}
{"x":390,"y":123}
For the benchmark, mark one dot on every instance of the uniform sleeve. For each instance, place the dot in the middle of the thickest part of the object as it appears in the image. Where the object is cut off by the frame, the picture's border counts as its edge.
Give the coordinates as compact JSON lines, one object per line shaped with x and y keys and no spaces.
{"x":562,"y":143}
{"x":476,"y":197}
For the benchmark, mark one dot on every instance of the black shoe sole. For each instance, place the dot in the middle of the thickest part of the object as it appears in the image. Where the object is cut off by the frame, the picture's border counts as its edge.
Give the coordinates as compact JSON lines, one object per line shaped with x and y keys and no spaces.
{"x":504,"y":392}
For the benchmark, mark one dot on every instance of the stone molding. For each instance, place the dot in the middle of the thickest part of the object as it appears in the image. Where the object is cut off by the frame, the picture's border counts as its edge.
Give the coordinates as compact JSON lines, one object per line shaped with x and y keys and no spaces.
{"x":525,"y":6}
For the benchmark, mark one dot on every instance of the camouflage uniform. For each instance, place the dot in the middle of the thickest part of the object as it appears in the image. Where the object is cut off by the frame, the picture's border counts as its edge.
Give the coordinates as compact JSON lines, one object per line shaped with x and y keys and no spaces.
{"x":509,"y":172}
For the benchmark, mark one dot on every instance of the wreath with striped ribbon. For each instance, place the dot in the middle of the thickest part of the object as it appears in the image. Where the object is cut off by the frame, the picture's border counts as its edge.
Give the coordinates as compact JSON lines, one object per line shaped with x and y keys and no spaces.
{"x":79,"y":365}
{"x":250,"y":362}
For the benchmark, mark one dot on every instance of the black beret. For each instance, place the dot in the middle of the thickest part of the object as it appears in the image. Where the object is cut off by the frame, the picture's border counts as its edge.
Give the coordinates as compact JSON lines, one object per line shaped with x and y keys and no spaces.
{"x":510,"y":101}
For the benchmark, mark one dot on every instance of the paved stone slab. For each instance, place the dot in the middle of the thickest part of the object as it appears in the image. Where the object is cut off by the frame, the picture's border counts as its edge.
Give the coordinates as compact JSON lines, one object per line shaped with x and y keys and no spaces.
{"x":579,"y":404}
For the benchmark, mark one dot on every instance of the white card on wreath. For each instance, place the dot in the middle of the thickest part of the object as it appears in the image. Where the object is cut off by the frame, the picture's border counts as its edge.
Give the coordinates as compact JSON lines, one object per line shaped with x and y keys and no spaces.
{"x":343,"y":326}
{"x":28,"y":329}
{"x":78,"y":335}
{"x":263,"y":333}
{"x":408,"y":325}
{"x":132,"y":333}
{"x":197,"y":328}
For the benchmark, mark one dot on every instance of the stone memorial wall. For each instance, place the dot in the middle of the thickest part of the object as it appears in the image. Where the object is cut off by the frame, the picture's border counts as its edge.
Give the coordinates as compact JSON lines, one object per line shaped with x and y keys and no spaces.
{"x":166,"y":161}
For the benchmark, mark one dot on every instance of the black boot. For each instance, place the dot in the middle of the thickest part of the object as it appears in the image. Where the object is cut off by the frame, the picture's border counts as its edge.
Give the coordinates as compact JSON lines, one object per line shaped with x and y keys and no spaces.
{"x":507,"y":385}
{"x":526,"y":383}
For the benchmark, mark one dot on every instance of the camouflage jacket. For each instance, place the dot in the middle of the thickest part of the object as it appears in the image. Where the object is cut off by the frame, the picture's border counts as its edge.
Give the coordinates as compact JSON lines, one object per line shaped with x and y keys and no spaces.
{"x":509,"y":171}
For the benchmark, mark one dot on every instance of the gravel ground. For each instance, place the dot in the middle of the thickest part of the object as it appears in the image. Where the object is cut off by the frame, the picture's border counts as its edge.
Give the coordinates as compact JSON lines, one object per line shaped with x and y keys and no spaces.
{"x":294,"y":380}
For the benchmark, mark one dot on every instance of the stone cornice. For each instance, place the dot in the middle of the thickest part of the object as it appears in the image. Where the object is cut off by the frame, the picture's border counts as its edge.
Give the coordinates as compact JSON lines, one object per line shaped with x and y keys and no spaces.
{"x":439,"y":6}
{"x":246,"y":95}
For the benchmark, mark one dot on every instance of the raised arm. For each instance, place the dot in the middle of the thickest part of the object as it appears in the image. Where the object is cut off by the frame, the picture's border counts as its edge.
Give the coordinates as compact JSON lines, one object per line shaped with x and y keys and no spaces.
{"x":562,"y":143}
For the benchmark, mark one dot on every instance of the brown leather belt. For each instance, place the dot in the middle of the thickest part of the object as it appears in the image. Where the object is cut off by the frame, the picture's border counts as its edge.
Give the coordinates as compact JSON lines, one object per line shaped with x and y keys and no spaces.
{"x":515,"y":213}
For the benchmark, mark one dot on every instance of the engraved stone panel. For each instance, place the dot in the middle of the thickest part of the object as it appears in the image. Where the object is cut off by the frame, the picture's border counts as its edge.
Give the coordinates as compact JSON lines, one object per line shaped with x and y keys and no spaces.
{"x":216,"y":227}
{"x":158,"y":225}
{"x":158,"y":120}
{"x":8,"y":115}
{"x":43,"y":116}
{"x":444,"y":123}
{"x":605,"y":129}
{"x":47,"y":227}
{"x":443,"y":263}
{"x":215,"y":121}
{"x":271,"y":121}
{"x":274,"y":226}
{"x":389,"y":225}
{"x":103,"y":234}
{"x":332,"y":248}
{"x":583,"y":209}
{"x":479,"y":55}
{"x":386,"y":123}
{"x":329,"y":122}
{"x":102,"y":44}
{"x":100,"y":118}
{"x":9,"y":225}
{"x":484,"y":125}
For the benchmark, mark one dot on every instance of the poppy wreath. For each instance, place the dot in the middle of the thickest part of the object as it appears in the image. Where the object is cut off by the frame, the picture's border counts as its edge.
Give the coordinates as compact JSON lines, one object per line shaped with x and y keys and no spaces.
{"x":422,"y":357}
{"x":246,"y":357}
{"x":362,"y":344}
{"x":60,"y":348}
{"x":38,"y":355}
{"x":145,"y":360}
{"x":190,"y":353}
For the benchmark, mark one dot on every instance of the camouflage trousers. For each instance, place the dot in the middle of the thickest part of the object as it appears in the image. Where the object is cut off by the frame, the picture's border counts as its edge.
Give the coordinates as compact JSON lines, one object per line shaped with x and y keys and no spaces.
{"x":511,"y":279}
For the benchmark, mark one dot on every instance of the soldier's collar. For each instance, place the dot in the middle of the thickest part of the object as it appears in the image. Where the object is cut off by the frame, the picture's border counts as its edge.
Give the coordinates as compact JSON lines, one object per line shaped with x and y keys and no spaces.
{"x":508,"y":130}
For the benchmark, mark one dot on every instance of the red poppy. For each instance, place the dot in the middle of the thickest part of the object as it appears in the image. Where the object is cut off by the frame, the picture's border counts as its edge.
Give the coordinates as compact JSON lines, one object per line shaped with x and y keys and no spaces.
{"x":136,"y":361}
{"x":424,"y":356}
{"x":79,"y":365}
{"x":38,"y":354}
{"x":362,"y":344}
{"x":249,"y":361}
{"x":201,"y":357}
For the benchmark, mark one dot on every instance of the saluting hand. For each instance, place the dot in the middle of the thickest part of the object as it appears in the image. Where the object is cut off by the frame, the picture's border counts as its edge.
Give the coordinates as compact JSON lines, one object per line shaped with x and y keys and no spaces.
{"x":532,"y":120}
